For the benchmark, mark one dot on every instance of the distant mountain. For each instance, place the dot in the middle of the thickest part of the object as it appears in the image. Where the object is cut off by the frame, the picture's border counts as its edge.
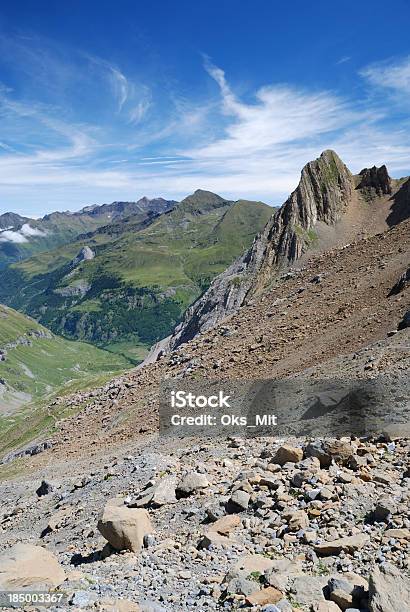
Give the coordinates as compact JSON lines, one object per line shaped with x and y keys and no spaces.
{"x":21,"y":237}
{"x":330,"y":207}
{"x":126,"y":284}
{"x":35,"y":364}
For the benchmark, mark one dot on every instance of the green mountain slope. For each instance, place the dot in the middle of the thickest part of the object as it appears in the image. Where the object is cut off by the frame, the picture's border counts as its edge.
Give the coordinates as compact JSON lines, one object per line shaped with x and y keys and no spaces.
{"x":35,"y":365}
{"x":141,"y":274}
{"x":21,"y":237}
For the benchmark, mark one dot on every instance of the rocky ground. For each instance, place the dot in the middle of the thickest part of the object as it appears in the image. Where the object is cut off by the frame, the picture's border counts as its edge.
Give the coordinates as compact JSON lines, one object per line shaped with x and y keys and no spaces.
{"x":333,"y":317}
{"x":322,"y":525}
{"x":225,"y":524}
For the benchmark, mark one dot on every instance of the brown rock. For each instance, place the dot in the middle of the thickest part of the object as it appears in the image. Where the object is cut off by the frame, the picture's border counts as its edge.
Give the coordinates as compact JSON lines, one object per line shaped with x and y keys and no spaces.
{"x":325,"y":606}
{"x":270,"y":595}
{"x":254,"y":563}
{"x":213,"y":538}
{"x":349,"y":544}
{"x":124,"y":528}
{"x":342,"y":599}
{"x":28,"y":566}
{"x":226,"y":524}
{"x":297,"y":520}
{"x":400,"y":534}
{"x":389,"y":589}
{"x":288,"y":454}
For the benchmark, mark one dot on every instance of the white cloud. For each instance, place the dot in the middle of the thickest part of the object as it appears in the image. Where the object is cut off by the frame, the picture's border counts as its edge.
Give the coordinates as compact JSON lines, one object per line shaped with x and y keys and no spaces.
{"x":27,"y":230}
{"x":20,"y":236}
{"x":390,"y":75}
{"x":120,"y":86}
{"x":10,"y":236}
{"x":253,"y":146}
{"x":138,"y":112}
{"x":343,"y":60}
{"x":279,"y":115}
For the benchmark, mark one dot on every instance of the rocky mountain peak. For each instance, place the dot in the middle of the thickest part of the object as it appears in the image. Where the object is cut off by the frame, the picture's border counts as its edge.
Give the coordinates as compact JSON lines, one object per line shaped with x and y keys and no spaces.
{"x":376,"y":180}
{"x":322,"y":195}
{"x":11,"y":220}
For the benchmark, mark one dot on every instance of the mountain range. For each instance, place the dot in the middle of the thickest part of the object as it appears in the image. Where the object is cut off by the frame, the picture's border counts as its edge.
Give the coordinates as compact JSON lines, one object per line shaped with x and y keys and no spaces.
{"x":124,"y":285}
{"x":21,"y":237}
{"x":330,"y":207}
{"x":310,"y":517}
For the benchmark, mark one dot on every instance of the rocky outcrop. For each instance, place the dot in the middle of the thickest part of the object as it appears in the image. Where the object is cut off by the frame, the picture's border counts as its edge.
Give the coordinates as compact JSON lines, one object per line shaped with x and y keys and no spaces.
{"x":323,"y":194}
{"x":402,"y":283}
{"x":405,"y":322}
{"x":86,"y":254}
{"x":27,"y":451}
{"x":375,"y":180}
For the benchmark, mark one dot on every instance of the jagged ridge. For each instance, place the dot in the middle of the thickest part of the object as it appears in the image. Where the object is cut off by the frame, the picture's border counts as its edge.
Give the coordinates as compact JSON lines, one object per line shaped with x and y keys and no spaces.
{"x":325,"y":191}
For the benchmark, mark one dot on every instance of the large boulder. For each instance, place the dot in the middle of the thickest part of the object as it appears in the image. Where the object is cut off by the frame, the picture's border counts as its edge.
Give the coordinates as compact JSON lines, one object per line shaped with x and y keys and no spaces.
{"x":349,"y":544}
{"x":191,"y":483}
{"x":27,"y":566}
{"x":307,"y":589}
{"x":389,"y":589}
{"x":288,"y":454}
{"x":124,"y":528}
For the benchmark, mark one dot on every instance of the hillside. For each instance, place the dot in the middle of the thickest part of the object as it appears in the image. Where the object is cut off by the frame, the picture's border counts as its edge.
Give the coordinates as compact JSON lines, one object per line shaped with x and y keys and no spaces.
{"x":329,"y":208}
{"x":141,"y":273}
{"x":35,"y":365}
{"x":239,"y":521}
{"x":21,"y":237}
{"x":236,"y":521}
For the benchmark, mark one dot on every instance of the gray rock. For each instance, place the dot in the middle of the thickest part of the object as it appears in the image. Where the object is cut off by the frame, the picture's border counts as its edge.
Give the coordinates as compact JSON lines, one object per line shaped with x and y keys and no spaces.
{"x":192,"y":482}
{"x":147,"y":605}
{"x":389,"y":589}
{"x":45,"y":488}
{"x":158,"y":495}
{"x":238,"y":502}
{"x":241,"y":586}
{"x":306,"y":589}
{"x":384,"y":508}
{"x":83,"y":599}
{"x":316,"y":449}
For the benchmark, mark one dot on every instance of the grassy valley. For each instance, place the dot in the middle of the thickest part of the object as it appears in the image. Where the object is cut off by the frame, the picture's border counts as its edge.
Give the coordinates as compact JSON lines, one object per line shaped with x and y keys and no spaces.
{"x":36,"y":365}
{"x":141,"y":274}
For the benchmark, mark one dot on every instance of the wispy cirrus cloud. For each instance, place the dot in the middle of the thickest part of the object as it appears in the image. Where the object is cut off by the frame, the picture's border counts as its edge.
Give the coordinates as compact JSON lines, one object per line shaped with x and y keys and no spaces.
{"x":394,"y":75}
{"x":98,"y":133}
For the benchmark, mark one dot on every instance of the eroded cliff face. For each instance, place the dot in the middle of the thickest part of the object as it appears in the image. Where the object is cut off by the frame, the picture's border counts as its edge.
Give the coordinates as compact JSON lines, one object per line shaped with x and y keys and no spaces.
{"x":323,"y":194}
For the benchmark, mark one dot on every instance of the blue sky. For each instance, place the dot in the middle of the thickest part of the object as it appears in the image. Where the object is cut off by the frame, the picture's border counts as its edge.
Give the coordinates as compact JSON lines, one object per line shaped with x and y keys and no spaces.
{"x":103,"y":101}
